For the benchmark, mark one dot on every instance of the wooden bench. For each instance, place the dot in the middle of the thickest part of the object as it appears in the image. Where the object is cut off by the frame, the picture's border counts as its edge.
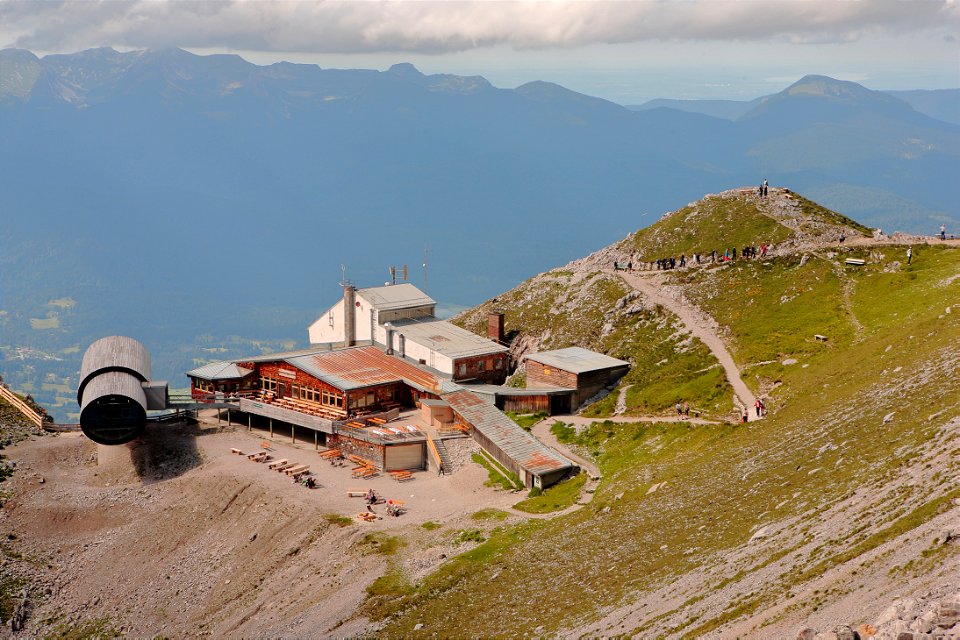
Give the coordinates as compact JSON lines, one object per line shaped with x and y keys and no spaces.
{"x":356,"y":425}
{"x":300,"y":468}
{"x":400,"y":476}
{"x":277,"y":463}
{"x":331,"y":453}
{"x":236,"y":452}
{"x":365,"y":472}
{"x":257,"y":456}
{"x":285,"y":466}
{"x":377,"y":420}
{"x":356,"y":492}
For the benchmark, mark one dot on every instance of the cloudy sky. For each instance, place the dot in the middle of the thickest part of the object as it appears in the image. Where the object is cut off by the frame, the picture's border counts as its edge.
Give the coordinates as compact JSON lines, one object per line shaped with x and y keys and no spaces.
{"x":627,"y":51}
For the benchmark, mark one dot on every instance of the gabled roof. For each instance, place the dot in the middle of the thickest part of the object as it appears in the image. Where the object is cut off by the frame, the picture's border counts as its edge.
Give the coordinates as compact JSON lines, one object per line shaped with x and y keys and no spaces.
{"x":397,"y":296}
{"x":359,"y":367}
{"x":521,"y":446}
{"x":445,"y":338}
{"x":220,"y":371}
{"x":576,"y":360}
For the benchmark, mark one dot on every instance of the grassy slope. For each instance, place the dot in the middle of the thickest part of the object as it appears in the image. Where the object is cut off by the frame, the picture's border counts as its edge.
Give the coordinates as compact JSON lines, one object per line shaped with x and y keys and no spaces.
{"x":726,"y":479}
{"x":598,"y":311}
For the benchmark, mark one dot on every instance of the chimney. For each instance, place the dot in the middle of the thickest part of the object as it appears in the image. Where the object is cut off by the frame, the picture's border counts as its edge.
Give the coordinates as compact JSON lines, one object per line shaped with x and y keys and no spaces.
{"x":389,"y":329}
{"x":495,"y":327}
{"x":349,"y":315}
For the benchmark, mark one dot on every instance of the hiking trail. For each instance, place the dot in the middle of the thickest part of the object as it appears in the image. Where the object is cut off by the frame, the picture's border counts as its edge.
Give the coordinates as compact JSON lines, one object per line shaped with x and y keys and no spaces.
{"x":697,"y":323}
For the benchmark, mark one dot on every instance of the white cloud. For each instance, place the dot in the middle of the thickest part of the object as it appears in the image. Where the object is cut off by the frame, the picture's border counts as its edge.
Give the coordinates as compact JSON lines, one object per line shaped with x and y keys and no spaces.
{"x":442,"y":27}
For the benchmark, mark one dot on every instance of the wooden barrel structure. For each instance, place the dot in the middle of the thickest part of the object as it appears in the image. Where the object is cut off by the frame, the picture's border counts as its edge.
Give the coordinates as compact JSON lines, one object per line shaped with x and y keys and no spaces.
{"x":113,"y":404}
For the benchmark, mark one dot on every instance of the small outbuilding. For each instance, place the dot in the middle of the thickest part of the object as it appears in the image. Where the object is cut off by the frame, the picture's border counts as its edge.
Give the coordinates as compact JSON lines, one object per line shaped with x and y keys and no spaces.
{"x":584,"y":371}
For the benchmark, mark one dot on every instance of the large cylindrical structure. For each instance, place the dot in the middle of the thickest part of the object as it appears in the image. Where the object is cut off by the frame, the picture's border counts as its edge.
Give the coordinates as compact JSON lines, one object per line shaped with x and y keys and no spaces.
{"x":113,"y":405}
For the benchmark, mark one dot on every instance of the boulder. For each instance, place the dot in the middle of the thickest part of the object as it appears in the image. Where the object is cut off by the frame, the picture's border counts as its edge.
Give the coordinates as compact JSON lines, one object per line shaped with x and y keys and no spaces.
{"x":844,"y":632}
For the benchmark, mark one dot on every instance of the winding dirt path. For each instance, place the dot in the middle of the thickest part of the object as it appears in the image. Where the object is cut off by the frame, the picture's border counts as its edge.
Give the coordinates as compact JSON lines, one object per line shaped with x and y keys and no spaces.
{"x":698,"y":324}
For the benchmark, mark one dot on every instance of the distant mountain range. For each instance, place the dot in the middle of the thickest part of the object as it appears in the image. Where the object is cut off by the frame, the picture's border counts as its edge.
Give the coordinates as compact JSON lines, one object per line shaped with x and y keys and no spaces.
{"x":203,"y":202}
{"x":942,"y":104}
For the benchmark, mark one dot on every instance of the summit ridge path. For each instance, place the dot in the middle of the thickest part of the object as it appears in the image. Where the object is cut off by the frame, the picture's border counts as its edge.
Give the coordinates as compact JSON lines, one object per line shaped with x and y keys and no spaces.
{"x":698,"y":324}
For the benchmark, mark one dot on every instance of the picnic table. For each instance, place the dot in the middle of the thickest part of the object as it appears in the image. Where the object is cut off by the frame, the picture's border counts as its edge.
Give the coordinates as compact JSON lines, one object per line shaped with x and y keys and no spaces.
{"x":277,"y":463}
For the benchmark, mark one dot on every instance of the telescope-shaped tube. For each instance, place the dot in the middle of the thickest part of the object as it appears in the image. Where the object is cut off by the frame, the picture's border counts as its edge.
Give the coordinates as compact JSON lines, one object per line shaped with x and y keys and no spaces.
{"x":113,"y":405}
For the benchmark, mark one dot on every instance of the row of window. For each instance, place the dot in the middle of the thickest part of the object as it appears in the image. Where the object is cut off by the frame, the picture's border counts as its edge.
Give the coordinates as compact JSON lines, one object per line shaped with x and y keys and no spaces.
{"x":481,"y":366}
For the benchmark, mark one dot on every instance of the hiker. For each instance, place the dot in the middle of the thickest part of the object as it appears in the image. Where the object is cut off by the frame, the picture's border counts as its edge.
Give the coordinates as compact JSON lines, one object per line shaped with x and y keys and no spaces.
{"x":842,"y":238}
{"x":371,"y":497}
{"x":734,"y":253}
{"x":745,"y":416}
{"x":943,"y":232}
{"x":763,"y":250}
{"x":686,"y":409}
{"x":909,"y":254}
{"x":756,"y":407}
{"x":616,"y":266}
{"x":763,"y":408}
{"x":630,"y":265}
{"x":679,"y":409}
{"x":764,"y":186}
{"x":683,"y":260}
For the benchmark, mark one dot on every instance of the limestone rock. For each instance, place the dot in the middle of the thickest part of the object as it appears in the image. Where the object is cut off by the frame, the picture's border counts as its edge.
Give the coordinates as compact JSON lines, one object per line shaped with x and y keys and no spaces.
{"x":844,"y":632}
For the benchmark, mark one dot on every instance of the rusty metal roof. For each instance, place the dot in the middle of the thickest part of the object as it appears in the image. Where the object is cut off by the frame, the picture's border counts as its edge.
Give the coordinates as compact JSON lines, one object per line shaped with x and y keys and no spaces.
{"x":359,"y":367}
{"x":521,"y":446}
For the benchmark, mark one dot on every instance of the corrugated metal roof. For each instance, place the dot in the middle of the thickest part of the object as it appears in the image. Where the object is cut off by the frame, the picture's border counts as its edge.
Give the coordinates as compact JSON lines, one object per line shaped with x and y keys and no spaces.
{"x":359,"y":367}
{"x":513,"y":392}
{"x":576,"y":360}
{"x":520,"y":445}
{"x":445,"y":338}
{"x":397,"y":296}
{"x":222,"y":370}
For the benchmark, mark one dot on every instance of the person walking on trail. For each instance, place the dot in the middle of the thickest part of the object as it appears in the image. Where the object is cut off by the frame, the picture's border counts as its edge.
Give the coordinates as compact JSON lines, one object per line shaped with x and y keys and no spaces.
{"x":765,"y":186}
{"x":943,"y":232}
{"x":686,"y":409}
{"x":745,"y":416}
{"x":679,"y":409}
{"x":909,"y":254}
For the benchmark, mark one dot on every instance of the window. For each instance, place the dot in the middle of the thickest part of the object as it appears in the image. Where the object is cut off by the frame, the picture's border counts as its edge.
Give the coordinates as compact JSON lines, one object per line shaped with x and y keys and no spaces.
{"x":498,"y":363}
{"x":462,"y":368}
{"x":482,"y":365}
{"x":331,"y":399}
{"x":268,"y":384}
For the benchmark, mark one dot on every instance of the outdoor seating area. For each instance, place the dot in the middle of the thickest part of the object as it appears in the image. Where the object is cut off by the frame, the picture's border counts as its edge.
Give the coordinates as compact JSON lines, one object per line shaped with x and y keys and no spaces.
{"x":299,"y":472}
{"x":394,"y":507}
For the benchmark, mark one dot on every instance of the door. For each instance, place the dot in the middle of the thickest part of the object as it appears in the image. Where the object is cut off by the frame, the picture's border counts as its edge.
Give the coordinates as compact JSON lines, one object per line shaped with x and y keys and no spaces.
{"x":403,"y":457}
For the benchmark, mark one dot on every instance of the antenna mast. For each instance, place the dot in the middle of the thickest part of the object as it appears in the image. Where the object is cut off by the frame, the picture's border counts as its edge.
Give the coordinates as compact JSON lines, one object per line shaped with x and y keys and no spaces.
{"x":426,"y":256}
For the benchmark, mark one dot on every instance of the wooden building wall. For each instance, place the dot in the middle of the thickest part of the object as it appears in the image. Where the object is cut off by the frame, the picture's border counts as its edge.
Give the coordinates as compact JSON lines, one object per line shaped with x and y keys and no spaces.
{"x":541,"y":375}
{"x":470,"y":368}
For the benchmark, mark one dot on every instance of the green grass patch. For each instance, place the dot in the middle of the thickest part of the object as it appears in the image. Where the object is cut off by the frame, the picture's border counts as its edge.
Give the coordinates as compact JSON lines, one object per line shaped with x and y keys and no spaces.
{"x":95,"y":628}
{"x":430,"y":525}
{"x":490,"y":514}
{"x":497,"y":476}
{"x":563,"y":432}
{"x":555,"y":498}
{"x":381,"y":543}
{"x":338,"y":520}
{"x":42,"y":324}
{"x":526,"y":420}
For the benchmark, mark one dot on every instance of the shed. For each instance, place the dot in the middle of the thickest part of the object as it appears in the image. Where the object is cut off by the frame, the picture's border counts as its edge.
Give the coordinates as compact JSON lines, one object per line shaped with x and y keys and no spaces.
{"x":574,"y":368}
